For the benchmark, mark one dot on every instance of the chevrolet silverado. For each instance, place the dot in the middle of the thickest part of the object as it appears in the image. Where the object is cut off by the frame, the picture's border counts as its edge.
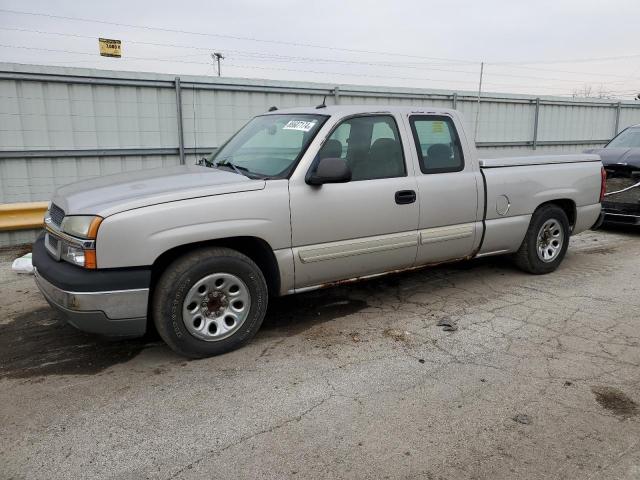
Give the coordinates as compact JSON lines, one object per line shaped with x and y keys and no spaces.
{"x":297,"y":200}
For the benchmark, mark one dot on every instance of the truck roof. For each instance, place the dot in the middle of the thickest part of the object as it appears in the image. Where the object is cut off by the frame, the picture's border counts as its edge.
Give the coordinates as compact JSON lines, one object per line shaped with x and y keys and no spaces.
{"x":355,"y":109}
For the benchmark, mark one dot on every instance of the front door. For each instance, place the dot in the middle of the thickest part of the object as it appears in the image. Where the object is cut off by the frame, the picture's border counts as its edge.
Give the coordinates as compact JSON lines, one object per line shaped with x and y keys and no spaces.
{"x":362,"y":227}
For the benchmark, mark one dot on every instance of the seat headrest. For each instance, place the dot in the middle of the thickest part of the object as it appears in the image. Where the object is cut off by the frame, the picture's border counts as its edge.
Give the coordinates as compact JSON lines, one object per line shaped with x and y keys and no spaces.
{"x":439,"y":152}
{"x":331,"y":149}
{"x":384,"y":146}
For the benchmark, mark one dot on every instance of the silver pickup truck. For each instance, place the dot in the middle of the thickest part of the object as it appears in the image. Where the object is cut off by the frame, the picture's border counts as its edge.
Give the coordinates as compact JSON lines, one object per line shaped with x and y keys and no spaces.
{"x":299,"y":199}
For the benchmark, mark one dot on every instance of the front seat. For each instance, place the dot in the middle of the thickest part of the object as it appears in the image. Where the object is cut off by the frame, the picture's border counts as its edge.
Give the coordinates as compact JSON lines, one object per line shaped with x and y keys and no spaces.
{"x":384,"y":160}
{"x":331,"y":149}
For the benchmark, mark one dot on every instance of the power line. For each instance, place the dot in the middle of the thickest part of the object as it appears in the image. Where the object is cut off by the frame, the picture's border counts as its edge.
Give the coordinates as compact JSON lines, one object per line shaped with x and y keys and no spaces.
{"x":208,"y":49}
{"x":268,"y":58}
{"x":238,"y":66}
{"x":233,"y":37}
{"x":575,"y":60}
{"x":310,"y":45}
{"x":260,"y":56}
{"x":75,"y":52}
{"x":473,"y":82}
{"x":576,"y":72}
{"x":296,"y":44}
{"x":448,"y":80}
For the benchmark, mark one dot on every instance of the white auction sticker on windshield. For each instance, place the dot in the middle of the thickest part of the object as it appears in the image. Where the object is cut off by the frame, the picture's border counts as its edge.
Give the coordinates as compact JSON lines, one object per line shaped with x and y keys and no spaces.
{"x":301,"y":125}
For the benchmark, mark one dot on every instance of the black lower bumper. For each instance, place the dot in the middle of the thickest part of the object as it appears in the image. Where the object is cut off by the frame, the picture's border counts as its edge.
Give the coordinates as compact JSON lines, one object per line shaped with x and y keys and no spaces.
{"x":77,"y":279}
{"x":106,"y":302}
{"x":622,"y":212}
{"x":621,"y":219}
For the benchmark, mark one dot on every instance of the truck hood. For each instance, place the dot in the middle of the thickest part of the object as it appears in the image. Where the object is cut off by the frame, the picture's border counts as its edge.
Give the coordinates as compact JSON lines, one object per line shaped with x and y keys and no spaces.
{"x":111,"y":194}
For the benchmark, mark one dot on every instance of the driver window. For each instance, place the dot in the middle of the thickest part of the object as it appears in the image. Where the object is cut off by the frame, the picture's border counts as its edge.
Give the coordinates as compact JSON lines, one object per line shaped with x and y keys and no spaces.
{"x":336,"y":145}
{"x":370,"y":145}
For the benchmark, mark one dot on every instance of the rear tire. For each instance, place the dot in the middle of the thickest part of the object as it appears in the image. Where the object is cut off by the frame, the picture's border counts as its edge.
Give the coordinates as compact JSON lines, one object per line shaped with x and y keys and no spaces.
{"x":209,"y":301}
{"x":546,"y":241}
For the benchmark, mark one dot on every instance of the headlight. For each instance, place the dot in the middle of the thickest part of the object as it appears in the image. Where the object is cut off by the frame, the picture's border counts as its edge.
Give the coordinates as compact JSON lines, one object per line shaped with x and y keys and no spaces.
{"x":76,"y":255}
{"x":83,"y":226}
{"x":79,"y":248}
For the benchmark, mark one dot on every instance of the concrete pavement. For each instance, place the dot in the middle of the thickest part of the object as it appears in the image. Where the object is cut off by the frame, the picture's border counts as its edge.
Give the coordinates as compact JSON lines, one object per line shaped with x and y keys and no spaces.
{"x":541,"y":380}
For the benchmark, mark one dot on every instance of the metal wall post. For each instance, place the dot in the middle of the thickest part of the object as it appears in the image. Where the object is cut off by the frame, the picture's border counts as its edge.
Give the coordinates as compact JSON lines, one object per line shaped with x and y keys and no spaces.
{"x":336,"y":95}
{"x":454,"y":101}
{"x":179,"y":118}
{"x":475,"y":133}
{"x":617,"y":127}
{"x":534,"y":144}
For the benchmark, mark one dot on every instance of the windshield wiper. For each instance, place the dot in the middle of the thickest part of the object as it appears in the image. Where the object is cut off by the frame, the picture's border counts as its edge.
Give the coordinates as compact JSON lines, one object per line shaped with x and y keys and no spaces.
{"x":240,"y":170}
{"x":236,"y":168}
{"x":203,"y":162}
{"x":224,"y":162}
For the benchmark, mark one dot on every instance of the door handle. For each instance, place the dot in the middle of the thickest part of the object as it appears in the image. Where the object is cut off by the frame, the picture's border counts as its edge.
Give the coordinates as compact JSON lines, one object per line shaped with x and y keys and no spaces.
{"x":404,"y":197}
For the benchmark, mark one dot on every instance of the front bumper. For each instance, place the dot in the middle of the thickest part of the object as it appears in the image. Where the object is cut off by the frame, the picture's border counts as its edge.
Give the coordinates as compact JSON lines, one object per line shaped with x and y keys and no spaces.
{"x":87,"y":300}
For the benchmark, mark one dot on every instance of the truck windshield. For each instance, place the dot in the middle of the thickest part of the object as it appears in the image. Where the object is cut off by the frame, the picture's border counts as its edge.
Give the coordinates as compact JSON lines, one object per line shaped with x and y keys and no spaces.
{"x":630,"y":138}
{"x":268,"y":146}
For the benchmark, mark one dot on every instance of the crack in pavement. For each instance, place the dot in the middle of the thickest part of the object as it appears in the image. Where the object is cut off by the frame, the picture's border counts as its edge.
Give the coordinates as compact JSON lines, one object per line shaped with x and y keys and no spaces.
{"x":246,"y":438}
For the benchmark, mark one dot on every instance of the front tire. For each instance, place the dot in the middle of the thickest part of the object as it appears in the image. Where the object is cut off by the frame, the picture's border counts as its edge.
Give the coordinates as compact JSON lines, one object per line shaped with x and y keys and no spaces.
{"x":546,"y":241}
{"x":209,"y":301}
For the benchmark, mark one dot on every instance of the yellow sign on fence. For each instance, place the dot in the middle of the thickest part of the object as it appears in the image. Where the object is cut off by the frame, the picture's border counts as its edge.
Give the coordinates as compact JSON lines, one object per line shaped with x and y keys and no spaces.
{"x":110,"y":48}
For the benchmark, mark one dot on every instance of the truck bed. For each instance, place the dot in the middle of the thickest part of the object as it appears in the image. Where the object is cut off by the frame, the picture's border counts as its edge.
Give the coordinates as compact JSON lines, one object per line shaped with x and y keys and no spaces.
{"x":537,"y":160}
{"x":516,"y":186}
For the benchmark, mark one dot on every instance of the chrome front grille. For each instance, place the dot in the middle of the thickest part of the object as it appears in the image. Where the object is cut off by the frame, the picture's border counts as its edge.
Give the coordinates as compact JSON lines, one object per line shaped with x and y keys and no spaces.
{"x":56,"y":214}
{"x":53,"y":245}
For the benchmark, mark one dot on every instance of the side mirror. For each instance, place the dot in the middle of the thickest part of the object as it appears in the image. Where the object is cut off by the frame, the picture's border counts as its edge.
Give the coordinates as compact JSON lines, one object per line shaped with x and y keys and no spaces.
{"x":329,"y":170}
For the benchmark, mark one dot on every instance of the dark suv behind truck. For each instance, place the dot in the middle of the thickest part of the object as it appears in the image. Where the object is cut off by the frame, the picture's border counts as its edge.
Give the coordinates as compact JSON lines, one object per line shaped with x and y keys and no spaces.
{"x":621,"y":160}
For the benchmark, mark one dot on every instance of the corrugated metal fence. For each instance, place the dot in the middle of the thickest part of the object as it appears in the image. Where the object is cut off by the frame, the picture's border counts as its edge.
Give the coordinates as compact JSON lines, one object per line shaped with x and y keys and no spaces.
{"x":58,"y":125}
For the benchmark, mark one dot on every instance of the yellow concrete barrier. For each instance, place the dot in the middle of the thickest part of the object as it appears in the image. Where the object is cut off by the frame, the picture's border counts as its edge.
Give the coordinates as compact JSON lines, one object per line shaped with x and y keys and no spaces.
{"x":22,"y":216}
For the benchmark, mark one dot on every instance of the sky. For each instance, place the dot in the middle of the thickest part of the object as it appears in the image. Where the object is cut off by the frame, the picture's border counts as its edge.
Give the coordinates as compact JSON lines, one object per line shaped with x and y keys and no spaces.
{"x":562,"y":47}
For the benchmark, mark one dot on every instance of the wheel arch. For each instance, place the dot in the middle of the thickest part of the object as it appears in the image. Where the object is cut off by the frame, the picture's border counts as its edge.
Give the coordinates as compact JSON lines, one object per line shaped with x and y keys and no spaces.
{"x":567,"y":205}
{"x":255,"y":248}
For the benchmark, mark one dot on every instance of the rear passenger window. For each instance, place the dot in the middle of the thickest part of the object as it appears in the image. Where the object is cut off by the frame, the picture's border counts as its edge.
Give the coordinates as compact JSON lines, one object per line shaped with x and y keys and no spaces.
{"x":437,"y":144}
{"x":370,"y":145}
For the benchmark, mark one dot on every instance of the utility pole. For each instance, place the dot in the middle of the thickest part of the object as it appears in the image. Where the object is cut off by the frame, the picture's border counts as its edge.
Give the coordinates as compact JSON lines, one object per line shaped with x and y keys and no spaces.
{"x":216,"y":57}
{"x":475,"y":135}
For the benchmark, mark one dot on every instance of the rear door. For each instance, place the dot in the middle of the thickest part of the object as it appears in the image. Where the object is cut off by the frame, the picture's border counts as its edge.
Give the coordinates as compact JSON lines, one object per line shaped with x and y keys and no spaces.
{"x":362,"y":227}
{"x":449,"y":186}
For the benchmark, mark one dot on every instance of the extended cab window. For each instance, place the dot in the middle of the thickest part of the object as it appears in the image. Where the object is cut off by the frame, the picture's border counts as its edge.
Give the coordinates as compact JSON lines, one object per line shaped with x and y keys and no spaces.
{"x":370,"y":145}
{"x":437,"y":144}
